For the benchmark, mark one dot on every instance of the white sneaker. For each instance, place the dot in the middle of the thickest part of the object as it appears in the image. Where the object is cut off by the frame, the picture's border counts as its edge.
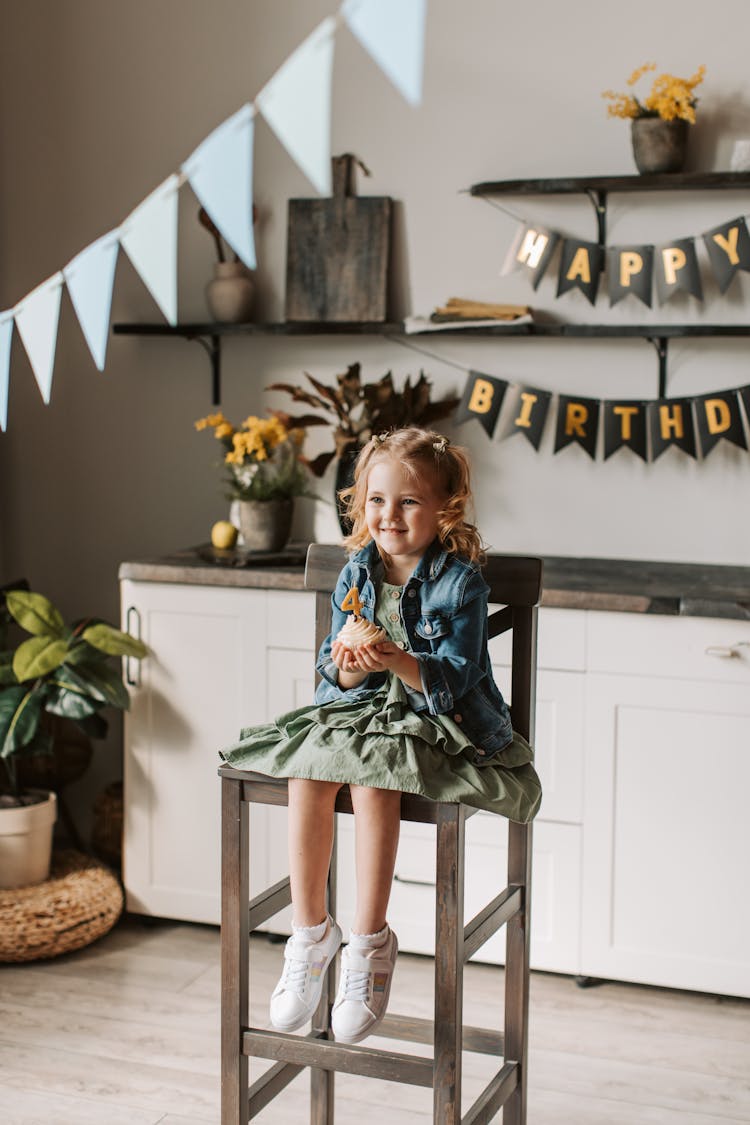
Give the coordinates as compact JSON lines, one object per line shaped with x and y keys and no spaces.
{"x":364,"y":988}
{"x":298,"y":992}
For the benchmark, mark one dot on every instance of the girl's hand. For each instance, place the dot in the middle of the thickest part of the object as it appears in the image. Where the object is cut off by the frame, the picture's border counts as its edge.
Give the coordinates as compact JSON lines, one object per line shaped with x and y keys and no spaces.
{"x":388,"y":657}
{"x":350,"y":672}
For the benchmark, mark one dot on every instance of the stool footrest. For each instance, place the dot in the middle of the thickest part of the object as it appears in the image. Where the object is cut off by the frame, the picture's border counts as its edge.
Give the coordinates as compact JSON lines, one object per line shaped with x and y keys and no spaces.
{"x":488,"y":921}
{"x":414,"y":1029}
{"x":309,"y":1050}
{"x":275,"y":1079}
{"x":494,"y":1096}
{"x":269,"y":902}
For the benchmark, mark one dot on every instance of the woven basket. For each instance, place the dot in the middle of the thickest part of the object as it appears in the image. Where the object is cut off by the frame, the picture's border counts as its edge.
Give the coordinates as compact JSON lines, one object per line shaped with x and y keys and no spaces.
{"x":80,"y":902}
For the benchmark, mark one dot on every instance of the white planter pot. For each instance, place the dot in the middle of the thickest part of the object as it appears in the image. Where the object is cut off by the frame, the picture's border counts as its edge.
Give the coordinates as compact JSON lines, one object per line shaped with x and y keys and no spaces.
{"x":26,"y":842}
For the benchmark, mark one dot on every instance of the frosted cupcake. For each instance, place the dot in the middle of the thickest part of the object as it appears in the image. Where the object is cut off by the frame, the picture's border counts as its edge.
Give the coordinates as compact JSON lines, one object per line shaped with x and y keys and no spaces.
{"x":358,"y":631}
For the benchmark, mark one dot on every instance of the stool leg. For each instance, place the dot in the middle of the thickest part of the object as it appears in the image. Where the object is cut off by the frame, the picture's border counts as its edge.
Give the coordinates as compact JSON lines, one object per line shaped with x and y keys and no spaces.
{"x":322,"y":1081}
{"x":517,"y":971}
{"x":449,"y":964}
{"x":235,"y":862}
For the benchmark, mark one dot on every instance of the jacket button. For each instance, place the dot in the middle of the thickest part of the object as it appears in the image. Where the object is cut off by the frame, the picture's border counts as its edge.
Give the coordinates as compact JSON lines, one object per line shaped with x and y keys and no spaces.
{"x":481,"y":753}
{"x":411,"y":594}
{"x":458,"y":718}
{"x":428,"y":628}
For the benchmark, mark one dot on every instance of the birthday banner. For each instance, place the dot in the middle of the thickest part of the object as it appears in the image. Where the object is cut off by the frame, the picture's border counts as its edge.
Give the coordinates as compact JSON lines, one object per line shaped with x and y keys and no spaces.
{"x":296,"y":103}
{"x":670,"y":267}
{"x":647,"y":427}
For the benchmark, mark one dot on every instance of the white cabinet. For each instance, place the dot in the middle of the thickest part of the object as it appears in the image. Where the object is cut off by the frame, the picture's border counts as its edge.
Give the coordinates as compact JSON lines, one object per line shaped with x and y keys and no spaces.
{"x":643,"y":747}
{"x":666,"y":823}
{"x":207,"y":676}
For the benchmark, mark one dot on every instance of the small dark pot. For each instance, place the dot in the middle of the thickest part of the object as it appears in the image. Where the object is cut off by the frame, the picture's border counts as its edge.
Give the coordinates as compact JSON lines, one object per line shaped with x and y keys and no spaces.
{"x":659,"y":146}
{"x":266,"y":524}
{"x":344,"y":479}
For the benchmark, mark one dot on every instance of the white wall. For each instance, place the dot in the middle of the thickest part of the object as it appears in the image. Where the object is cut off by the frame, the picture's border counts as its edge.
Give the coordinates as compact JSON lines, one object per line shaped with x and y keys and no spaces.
{"x":99,"y":102}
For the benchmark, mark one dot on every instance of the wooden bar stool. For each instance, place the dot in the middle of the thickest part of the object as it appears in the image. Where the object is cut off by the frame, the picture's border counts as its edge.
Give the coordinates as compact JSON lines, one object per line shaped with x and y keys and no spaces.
{"x":515,"y":584}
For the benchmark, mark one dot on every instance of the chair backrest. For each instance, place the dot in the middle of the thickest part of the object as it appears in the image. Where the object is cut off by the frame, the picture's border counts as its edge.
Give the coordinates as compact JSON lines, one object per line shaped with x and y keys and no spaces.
{"x":515,"y":583}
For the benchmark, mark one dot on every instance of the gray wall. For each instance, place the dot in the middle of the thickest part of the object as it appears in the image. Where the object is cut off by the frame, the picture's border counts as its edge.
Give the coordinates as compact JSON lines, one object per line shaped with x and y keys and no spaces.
{"x":100,"y":101}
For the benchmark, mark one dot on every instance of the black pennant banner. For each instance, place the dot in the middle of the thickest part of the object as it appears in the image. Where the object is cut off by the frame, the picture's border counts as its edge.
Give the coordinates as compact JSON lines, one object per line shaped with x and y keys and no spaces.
{"x":676,"y":267}
{"x":533,"y":250}
{"x":527,"y":413}
{"x":581,"y":265}
{"x":744,"y":393}
{"x":670,"y":422}
{"x":577,"y":421}
{"x":629,"y":270}
{"x":718,"y":416}
{"x":482,"y":398}
{"x":728,"y":248}
{"x":625,"y":425}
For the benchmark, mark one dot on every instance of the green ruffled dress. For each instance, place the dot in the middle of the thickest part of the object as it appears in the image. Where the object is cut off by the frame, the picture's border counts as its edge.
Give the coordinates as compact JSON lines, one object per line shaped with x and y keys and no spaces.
{"x":381,"y":742}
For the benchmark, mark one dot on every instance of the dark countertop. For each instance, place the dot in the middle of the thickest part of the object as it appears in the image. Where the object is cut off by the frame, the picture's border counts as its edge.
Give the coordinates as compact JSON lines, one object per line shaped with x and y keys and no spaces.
{"x":626,"y":585}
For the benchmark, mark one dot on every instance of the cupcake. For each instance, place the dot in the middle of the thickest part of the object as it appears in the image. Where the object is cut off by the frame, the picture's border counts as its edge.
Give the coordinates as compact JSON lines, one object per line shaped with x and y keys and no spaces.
{"x":358,"y":631}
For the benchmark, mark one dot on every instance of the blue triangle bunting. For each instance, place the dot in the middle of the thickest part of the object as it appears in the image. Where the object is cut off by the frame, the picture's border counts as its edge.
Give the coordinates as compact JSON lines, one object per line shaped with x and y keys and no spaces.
{"x":6,"y":339}
{"x":393,"y":32}
{"x":90,"y":278}
{"x":220,"y":172}
{"x":149,"y":237}
{"x":296,"y":103}
{"x":37,"y":317}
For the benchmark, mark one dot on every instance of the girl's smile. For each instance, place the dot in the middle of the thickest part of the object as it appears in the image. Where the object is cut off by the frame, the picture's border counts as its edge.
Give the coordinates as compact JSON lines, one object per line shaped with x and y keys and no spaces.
{"x":401,"y":512}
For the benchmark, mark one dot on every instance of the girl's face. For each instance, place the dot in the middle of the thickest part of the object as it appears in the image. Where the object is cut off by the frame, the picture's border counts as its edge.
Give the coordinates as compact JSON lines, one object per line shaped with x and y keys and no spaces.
{"x":401,"y":513}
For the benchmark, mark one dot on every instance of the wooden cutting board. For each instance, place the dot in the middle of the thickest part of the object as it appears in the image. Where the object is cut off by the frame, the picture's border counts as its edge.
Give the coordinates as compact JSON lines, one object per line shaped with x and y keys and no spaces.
{"x":337,"y":253}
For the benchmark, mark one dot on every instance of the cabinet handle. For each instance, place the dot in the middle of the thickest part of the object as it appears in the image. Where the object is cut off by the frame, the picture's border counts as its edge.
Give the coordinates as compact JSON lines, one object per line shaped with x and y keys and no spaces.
{"x":413,"y":882}
{"x":727,"y":652}
{"x":129,"y":678}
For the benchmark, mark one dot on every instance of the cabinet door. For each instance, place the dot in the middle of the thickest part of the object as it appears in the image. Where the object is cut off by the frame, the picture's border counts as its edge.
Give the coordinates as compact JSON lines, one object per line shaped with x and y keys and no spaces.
{"x":667,"y":833}
{"x":204,"y":679}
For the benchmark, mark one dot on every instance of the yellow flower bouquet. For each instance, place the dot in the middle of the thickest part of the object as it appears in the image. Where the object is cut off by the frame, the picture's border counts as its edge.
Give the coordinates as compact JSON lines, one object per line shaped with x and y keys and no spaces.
{"x":670,"y":99}
{"x":263,"y":457}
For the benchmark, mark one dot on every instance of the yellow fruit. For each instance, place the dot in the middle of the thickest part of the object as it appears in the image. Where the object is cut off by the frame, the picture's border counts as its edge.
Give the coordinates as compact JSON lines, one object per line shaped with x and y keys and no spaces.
{"x":223,"y":534}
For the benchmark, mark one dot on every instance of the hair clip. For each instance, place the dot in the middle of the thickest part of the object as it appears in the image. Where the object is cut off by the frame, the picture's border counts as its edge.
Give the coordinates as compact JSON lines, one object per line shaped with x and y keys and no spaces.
{"x":439,"y":446}
{"x":379,"y":438}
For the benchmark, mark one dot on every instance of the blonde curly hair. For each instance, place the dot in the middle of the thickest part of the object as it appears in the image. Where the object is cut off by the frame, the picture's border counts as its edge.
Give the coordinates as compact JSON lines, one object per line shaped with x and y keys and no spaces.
{"x":420,"y":453}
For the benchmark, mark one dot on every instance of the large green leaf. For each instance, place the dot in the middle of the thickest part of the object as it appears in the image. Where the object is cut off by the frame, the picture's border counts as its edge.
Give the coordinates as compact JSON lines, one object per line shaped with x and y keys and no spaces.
{"x":69,"y":703}
{"x":38,"y":656}
{"x":95,"y":726}
{"x":99,"y":681}
{"x":81,"y":653}
{"x":7,"y":675}
{"x":113,"y":642}
{"x":35,"y":613}
{"x":20,"y":710}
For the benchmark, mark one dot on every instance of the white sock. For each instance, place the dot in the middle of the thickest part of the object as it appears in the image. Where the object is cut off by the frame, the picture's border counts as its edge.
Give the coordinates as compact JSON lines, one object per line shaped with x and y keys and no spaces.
{"x":370,"y":941}
{"x":311,"y":933}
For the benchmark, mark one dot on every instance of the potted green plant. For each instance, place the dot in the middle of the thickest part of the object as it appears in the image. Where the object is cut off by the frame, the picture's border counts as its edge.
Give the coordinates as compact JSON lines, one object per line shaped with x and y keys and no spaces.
{"x":357,"y":410}
{"x":55,"y":674}
{"x":659,"y":123}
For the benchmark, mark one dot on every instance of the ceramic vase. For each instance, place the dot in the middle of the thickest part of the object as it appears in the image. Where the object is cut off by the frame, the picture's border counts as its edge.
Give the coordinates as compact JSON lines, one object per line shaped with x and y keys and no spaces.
{"x":659,"y":146}
{"x":229,"y":295}
{"x":266,"y":524}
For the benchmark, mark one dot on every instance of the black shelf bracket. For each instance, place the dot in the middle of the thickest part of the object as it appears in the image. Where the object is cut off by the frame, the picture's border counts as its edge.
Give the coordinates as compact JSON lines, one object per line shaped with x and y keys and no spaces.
{"x":212,"y":346}
{"x":661,"y":343}
{"x":598,"y":199}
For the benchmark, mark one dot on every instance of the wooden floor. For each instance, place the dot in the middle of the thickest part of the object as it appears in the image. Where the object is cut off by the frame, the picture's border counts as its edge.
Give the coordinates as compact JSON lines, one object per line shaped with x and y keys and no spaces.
{"x":126,"y":1033}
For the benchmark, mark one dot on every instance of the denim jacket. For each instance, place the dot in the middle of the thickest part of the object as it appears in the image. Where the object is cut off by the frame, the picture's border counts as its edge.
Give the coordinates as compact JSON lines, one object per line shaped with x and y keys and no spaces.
{"x":444,"y":614}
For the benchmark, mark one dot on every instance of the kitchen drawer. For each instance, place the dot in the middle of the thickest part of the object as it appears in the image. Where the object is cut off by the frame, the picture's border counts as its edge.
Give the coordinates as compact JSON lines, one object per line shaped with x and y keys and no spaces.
{"x":291,"y":620}
{"x":696,"y":648}
{"x":561,"y":643}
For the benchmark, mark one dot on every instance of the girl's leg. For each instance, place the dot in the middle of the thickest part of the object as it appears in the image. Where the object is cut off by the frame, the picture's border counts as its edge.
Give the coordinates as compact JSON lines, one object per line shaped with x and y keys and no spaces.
{"x":310,"y":843}
{"x":377,"y":820}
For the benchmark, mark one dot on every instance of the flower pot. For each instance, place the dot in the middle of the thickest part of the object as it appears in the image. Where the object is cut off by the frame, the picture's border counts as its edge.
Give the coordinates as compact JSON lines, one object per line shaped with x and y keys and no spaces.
{"x":229,"y":295}
{"x":345,"y":479}
{"x":266,"y":524}
{"x":659,"y":146}
{"x":26,"y":841}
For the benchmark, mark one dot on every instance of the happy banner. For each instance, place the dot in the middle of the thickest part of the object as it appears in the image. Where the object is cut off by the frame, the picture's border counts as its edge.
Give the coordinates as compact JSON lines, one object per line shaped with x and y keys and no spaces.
{"x":634,"y":269}
{"x":647,"y":427}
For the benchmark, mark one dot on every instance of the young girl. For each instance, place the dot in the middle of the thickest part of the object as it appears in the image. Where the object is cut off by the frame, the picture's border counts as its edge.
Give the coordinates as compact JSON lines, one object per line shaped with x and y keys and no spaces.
{"x":417,"y":713}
